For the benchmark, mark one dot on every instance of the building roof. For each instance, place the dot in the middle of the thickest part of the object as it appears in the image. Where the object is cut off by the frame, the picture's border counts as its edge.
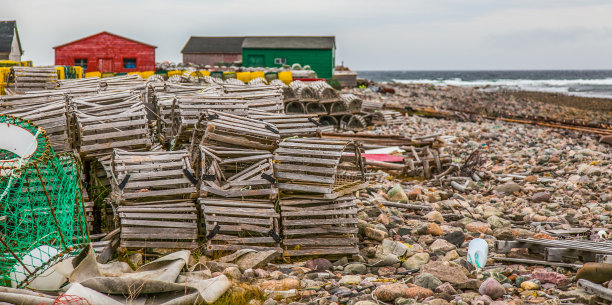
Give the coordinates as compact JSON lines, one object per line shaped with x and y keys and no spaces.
{"x":197,"y":44}
{"x":289,"y":42}
{"x":7,"y":30}
{"x":102,"y":33}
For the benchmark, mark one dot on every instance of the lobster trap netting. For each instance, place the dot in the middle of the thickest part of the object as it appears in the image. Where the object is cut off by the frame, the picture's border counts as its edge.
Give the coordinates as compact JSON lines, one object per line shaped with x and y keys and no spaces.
{"x":42,"y":219}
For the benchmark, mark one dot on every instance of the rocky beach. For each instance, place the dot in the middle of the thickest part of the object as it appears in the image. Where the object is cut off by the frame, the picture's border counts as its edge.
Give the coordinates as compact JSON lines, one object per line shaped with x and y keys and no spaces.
{"x":538,"y":182}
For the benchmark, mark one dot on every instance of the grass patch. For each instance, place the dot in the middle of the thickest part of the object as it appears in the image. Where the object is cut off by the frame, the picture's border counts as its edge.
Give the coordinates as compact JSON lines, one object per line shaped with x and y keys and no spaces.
{"x":241,"y":294}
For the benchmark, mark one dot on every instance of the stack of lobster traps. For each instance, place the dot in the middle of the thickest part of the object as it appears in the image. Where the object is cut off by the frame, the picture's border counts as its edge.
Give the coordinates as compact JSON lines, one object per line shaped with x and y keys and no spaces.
{"x":314,"y":176}
{"x":232,"y":156}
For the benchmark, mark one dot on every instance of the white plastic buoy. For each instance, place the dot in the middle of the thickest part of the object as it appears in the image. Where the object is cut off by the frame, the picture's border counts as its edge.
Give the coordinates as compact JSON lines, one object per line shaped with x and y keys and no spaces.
{"x":478,"y":250}
{"x":48,"y":280}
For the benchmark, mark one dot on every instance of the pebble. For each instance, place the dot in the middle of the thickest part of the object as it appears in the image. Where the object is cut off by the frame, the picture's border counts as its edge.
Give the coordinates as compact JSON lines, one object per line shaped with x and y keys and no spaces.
{"x":434,"y":229}
{"x":492,"y":288}
{"x":477,"y":226}
{"x":441,"y":246}
{"x":355,"y":269}
{"x":427,"y":280}
{"x":416,"y":261}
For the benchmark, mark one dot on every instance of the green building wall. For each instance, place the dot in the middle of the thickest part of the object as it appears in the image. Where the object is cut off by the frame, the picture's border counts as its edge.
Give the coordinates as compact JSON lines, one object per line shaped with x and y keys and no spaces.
{"x":321,"y":61}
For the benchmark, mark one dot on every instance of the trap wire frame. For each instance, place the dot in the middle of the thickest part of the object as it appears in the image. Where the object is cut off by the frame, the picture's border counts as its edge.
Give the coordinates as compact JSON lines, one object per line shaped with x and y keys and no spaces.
{"x":42,"y":216}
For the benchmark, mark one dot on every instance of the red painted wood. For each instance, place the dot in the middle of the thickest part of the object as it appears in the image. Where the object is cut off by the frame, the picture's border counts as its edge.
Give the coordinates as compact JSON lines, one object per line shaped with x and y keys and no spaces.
{"x":105,"y":53}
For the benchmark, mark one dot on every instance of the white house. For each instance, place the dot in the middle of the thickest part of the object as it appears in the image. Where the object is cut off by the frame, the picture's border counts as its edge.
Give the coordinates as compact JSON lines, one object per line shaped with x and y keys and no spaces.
{"x":10,"y":45}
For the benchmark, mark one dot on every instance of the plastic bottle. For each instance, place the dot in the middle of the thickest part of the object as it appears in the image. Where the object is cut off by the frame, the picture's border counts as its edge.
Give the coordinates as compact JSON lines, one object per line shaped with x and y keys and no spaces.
{"x":478,"y":250}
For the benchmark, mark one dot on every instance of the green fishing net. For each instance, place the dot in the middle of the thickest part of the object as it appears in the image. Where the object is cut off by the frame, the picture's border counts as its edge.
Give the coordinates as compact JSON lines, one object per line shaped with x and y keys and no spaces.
{"x":42,"y":219}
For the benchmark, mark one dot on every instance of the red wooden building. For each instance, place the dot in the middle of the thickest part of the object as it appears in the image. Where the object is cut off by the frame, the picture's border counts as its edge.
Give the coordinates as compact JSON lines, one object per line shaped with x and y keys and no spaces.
{"x":106,"y":52}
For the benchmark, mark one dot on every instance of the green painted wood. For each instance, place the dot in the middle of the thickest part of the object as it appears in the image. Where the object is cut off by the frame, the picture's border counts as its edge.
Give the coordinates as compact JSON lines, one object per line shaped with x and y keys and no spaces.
{"x":321,"y":61}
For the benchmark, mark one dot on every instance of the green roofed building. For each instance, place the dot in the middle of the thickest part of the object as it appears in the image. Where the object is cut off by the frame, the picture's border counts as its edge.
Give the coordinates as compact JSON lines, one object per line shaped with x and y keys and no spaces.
{"x":274,"y":51}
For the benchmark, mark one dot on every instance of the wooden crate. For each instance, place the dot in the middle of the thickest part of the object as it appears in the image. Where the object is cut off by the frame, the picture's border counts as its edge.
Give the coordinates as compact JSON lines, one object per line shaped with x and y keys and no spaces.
{"x":234,"y":224}
{"x":319,"y":226}
{"x":289,"y":125}
{"x":318,"y":168}
{"x":231,"y":172}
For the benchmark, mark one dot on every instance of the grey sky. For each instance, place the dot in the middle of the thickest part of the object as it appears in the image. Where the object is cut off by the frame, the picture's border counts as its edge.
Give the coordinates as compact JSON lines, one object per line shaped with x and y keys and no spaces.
{"x":370,"y":35}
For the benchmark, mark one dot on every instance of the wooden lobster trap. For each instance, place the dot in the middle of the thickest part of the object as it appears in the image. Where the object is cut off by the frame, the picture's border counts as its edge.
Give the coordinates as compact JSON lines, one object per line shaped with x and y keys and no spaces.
{"x":288,"y":92}
{"x":228,"y":130}
{"x":187,"y":110}
{"x":101,"y":128}
{"x":25,"y":79}
{"x":388,"y":117}
{"x":295,"y":107}
{"x":354,"y":122}
{"x":155,"y":197}
{"x":354,"y":103}
{"x":234,"y":224}
{"x":325,"y":93}
{"x":233,"y":172}
{"x":318,"y":168}
{"x":289,"y":125}
{"x":47,"y":111}
{"x":162,"y":103}
{"x":303,"y":92}
{"x":319,"y":226}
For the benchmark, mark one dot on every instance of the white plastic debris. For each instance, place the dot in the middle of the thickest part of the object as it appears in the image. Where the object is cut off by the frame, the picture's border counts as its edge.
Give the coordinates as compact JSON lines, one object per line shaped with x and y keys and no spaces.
{"x":478,"y":250}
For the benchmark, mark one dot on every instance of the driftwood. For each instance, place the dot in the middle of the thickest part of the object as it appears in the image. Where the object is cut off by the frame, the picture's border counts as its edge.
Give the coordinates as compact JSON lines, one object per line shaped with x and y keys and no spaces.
{"x":569,"y":251}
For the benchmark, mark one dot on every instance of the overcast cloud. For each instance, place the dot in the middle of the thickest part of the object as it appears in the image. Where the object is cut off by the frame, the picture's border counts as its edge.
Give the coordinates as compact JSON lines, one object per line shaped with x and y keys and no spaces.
{"x":370,"y":35}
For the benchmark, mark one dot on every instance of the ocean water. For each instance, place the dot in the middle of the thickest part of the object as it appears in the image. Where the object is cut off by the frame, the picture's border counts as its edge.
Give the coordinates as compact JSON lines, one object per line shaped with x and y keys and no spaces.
{"x":591,"y":83}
